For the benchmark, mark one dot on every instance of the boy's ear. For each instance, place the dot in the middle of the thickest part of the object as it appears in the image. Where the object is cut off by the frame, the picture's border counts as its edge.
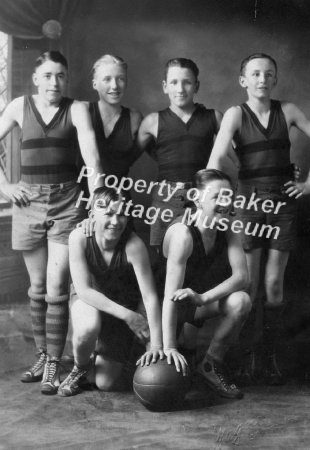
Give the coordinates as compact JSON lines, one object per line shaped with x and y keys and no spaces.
{"x":35,"y":79}
{"x":242,"y":81}
{"x":94,"y":84}
{"x":197,"y":203}
{"x":275,"y":80}
{"x":164,"y":84}
{"x":197,"y":86}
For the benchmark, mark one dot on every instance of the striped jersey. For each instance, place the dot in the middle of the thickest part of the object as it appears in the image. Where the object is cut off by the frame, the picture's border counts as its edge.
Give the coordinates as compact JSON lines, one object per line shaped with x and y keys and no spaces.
{"x":264,"y":153}
{"x":49,"y":152}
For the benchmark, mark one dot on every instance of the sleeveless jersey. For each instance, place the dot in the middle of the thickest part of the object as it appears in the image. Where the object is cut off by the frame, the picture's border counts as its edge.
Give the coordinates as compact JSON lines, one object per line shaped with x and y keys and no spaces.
{"x":184,"y":148}
{"x":118,"y":151}
{"x":118,"y":280}
{"x":198,"y":264}
{"x":48,"y":151}
{"x":264,"y":153}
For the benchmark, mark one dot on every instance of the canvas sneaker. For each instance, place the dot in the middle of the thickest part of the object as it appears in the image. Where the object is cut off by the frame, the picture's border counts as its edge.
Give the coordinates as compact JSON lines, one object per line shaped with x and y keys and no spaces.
{"x":35,"y":372}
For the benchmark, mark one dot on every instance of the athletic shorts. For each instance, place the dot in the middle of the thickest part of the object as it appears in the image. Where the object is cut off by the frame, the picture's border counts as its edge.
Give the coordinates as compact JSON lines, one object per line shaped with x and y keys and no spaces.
{"x":51,"y":215}
{"x":177,"y":205}
{"x":280,"y":230}
{"x":186,"y":314}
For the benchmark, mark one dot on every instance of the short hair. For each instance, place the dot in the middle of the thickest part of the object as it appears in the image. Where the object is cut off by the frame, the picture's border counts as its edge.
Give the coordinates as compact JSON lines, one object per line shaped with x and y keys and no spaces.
{"x":108,"y":59}
{"x":52,"y":55}
{"x":205,"y":176}
{"x":183,"y":63}
{"x":106,"y":194}
{"x":257,"y":56}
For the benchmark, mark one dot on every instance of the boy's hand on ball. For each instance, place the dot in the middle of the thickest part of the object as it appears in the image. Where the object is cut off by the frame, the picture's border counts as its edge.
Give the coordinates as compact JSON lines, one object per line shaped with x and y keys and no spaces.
{"x":173,"y":356}
{"x":187,"y":294}
{"x":138,"y":324}
{"x":151,"y":355}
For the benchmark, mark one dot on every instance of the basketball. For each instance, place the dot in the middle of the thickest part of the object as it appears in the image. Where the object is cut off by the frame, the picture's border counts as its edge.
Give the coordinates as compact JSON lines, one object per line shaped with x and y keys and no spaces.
{"x":159,"y":387}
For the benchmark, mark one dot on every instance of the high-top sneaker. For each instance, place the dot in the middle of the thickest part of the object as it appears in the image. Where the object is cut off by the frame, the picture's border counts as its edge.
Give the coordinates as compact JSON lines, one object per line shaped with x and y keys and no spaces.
{"x":35,"y":372}
{"x":50,"y":381}
{"x":214,"y":374}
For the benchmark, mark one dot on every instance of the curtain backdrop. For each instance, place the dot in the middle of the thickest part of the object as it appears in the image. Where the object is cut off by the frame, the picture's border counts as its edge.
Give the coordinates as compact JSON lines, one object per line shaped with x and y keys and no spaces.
{"x":24,"y":18}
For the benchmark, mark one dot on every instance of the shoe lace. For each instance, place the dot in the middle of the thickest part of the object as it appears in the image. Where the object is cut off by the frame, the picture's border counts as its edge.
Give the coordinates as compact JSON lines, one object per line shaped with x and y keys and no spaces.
{"x":40,"y":362}
{"x":51,"y":370}
{"x":224,"y":378}
{"x":76,"y":374}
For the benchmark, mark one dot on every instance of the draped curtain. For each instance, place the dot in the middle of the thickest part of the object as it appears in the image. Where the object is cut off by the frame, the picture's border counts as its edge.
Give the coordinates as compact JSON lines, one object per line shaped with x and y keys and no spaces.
{"x":24,"y":18}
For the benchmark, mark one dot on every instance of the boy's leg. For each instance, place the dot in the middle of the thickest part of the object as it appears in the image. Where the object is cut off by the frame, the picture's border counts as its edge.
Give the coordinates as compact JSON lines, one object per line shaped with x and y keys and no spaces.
{"x":273,"y":311}
{"x":36,"y":261}
{"x":108,"y":373}
{"x":86,"y":324}
{"x":57,"y":315}
{"x":234,"y":310}
{"x":251,"y":333}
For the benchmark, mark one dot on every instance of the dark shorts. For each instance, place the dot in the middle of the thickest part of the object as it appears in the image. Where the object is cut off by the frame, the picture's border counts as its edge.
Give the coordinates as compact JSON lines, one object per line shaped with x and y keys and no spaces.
{"x":186,"y":314}
{"x":177,"y":205}
{"x":115,"y":340}
{"x":51,"y":215}
{"x":275,"y":231}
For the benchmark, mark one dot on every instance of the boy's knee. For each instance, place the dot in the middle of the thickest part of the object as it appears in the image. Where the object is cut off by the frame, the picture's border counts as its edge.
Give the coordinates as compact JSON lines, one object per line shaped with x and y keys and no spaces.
{"x":238,"y":304}
{"x":105,"y":383}
{"x":274,"y":290}
{"x":84,"y":335}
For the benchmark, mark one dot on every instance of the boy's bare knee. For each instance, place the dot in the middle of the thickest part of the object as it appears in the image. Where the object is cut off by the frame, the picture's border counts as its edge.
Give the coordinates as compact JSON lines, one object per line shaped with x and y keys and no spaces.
{"x":105,"y":383}
{"x":84,"y":335}
{"x":238,"y":304}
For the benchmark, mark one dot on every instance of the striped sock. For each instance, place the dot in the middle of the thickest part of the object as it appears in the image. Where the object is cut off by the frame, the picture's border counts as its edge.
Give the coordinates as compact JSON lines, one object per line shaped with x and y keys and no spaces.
{"x":57,"y":318}
{"x":38,"y":308}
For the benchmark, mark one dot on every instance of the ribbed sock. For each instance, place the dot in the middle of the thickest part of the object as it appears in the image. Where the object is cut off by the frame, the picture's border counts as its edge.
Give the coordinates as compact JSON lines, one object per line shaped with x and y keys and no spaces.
{"x":57,"y":318}
{"x":38,"y":308}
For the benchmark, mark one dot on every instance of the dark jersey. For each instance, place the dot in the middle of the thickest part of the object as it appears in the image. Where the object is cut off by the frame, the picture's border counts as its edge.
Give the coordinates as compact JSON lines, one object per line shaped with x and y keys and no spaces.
{"x":118,"y":280}
{"x":118,"y":151}
{"x":184,"y":148}
{"x":198,"y":266}
{"x":48,"y":151}
{"x":264,"y":153}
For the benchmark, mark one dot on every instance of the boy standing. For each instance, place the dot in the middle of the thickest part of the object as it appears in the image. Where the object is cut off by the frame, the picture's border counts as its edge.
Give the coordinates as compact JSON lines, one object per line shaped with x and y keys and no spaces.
{"x":259,"y":130}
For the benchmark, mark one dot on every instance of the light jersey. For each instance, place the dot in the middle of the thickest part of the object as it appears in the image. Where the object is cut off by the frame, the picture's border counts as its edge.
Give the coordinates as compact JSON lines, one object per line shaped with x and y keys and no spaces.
{"x":118,"y":280}
{"x":49,"y":152}
{"x":117,"y":151}
{"x":198,"y":265}
{"x":264,"y":153}
{"x":184,"y":148}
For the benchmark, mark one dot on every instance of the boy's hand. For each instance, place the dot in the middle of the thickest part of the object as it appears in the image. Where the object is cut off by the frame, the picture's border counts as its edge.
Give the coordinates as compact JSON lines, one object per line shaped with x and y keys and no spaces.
{"x":88,"y":226}
{"x":151,"y":355}
{"x":138,"y":324}
{"x":187,"y":294}
{"x":16,"y":193}
{"x":297,"y":172}
{"x":294,"y":189}
{"x":173,"y":356}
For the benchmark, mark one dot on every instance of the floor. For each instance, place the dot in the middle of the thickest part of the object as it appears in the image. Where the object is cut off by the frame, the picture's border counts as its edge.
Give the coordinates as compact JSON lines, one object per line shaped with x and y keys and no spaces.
{"x":266,"y":418}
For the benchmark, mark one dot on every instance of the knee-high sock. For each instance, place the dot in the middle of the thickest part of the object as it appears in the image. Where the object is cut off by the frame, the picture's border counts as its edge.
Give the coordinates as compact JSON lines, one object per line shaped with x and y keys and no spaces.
{"x":38,"y":308}
{"x":57,"y":318}
{"x":273,"y":326}
{"x":252,"y":330}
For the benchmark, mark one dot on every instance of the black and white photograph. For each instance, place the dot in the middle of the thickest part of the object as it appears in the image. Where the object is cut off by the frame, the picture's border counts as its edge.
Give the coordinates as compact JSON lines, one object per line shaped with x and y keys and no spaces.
{"x":154,"y":224}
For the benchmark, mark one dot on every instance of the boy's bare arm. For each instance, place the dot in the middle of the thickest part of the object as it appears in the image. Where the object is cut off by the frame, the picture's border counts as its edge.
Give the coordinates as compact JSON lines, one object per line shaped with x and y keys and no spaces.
{"x":148,"y":132}
{"x":223,"y":155}
{"x":87,"y":141}
{"x":12,"y":117}
{"x":295,"y":117}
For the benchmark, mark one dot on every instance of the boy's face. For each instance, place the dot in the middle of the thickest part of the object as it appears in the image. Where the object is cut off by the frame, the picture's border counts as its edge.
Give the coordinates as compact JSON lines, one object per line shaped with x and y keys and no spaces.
{"x":211,"y":203}
{"x":110,"y":220}
{"x":51,"y":80}
{"x":259,"y":78}
{"x":180,"y":86}
{"x":110,"y":82}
